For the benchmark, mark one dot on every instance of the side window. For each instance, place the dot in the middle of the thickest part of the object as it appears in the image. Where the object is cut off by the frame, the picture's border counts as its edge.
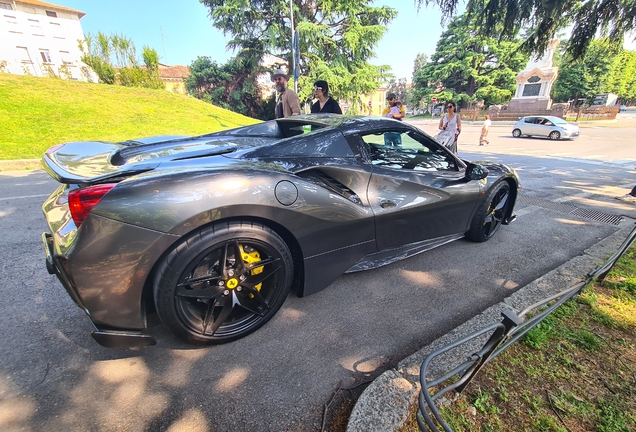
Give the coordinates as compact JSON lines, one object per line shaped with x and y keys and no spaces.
{"x":532,"y":120}
{"x":290,"y":129}
{"x":407,"y":150}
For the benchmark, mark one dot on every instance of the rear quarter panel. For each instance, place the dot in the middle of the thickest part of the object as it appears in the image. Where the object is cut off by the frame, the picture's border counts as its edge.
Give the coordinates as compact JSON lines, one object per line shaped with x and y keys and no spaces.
{"x":331,"y":231}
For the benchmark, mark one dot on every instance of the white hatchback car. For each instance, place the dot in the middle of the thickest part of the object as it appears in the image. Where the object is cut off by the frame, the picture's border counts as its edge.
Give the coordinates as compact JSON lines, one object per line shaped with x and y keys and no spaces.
{"x":545,"y":126}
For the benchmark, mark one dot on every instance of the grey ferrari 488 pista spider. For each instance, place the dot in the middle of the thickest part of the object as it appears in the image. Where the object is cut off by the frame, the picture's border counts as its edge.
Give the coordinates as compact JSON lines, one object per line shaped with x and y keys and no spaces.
{"x":214,"y":231}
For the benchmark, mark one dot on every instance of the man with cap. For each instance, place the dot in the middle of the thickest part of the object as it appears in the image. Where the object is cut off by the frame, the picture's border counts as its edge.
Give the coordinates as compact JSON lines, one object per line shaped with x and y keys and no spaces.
{"x":391,"y":98}
{"x":325,"y":103}
{"x":287,"y":103}
{"x":396,"y":112}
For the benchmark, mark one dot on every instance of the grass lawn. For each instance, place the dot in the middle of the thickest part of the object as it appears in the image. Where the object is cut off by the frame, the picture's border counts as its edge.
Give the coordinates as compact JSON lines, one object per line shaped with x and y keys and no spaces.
{"x":38,"y":113}
{"x":576,"y":371}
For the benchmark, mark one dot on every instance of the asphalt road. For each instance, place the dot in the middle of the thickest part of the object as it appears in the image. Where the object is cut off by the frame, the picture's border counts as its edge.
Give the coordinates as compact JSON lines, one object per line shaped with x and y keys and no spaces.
{"x":53,"y":376}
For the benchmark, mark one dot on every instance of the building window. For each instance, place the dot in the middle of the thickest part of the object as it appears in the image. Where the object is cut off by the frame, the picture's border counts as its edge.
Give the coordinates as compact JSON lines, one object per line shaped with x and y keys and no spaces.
{"x":56,"y":29}
{"x":12,"y":21}
{"x":6,"y":6}
{"x":36,"y":28}
{"x":51,"y":14}
{"x":24,"y":55}
{"x":66,"y":57}
{"x":46,"y":56}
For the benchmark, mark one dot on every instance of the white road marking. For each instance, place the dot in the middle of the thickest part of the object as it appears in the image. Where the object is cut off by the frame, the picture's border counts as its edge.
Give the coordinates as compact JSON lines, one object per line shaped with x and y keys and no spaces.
{"x":25,"y":196}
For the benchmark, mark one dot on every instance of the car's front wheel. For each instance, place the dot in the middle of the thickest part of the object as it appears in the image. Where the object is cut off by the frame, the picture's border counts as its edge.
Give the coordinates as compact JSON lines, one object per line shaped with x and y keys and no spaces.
{"x":555,"y":135}
{"x":223,"y":282}
{"x":516,"y":133}
{"x":490,"y":214}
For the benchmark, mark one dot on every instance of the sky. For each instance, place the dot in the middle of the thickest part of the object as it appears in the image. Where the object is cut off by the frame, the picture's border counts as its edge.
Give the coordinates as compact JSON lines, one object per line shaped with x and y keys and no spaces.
{"x":181,"y":31}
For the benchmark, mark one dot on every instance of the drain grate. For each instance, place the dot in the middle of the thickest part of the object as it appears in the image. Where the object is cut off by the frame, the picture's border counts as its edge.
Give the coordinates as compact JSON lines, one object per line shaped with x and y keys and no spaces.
{"x":573,"y":210}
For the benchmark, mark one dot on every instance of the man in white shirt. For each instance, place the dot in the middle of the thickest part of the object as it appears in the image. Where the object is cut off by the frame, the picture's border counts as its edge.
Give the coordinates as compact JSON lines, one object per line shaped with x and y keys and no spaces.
{"x":484,"y":131}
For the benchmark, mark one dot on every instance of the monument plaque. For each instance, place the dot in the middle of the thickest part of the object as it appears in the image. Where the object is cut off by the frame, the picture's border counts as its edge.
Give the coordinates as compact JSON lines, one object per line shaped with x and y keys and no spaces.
{"x":531,"y":90}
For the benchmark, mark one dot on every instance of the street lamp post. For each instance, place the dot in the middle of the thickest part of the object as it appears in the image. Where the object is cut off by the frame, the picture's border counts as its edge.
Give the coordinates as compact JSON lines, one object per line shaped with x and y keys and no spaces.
{"x":293,"y":50}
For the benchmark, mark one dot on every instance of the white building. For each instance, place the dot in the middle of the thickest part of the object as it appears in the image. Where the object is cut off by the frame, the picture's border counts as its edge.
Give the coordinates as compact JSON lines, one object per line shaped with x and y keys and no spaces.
{"x":41,"y":39}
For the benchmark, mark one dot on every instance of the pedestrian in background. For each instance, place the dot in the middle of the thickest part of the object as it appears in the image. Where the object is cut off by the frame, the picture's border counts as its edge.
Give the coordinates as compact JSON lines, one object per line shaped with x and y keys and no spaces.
{"x":391,"y":98}
{"x":325,"y":103}
{"x":287,"y":102}
{"x":394,"y":111}
{"x":452,"y":123}
{"x":484,"y":131}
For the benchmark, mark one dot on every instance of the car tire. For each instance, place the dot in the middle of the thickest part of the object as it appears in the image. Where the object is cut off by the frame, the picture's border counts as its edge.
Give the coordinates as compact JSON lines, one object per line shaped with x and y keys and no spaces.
{"x":516,"y":133}
{"x":210,"y":288}
{"x":490,"y":214}
{"x":555,"y":135}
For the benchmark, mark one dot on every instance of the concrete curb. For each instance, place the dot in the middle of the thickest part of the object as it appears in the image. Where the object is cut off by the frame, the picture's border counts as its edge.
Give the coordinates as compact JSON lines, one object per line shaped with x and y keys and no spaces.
{"x":20,"y":164}
{"x":384,"y":405}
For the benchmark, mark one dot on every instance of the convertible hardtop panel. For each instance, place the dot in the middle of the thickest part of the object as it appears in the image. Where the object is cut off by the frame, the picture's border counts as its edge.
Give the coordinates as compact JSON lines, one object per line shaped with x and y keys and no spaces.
{"x":96,"y":161}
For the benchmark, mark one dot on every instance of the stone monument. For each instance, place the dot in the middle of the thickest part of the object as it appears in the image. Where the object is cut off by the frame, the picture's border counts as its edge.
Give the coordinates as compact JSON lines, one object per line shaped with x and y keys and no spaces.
{"x":534,"y":83}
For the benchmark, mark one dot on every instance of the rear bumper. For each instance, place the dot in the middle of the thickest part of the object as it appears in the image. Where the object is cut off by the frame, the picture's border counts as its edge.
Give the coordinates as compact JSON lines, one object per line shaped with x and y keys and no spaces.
{"x":110,"y":338}
{"x":53,"y":268}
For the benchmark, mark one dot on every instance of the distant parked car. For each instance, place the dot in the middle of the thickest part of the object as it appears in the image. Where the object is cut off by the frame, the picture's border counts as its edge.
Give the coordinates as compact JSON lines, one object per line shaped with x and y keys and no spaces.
{"x":554,"y":128}
{"x":622,"y":108}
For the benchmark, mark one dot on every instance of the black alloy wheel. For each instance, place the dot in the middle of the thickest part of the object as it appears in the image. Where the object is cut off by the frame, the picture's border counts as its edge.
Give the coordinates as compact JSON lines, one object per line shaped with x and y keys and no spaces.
{"x":223,"y":282}
{"x":555,"y":135}
{"x":516,"y":133}
{"x":491,"y":213}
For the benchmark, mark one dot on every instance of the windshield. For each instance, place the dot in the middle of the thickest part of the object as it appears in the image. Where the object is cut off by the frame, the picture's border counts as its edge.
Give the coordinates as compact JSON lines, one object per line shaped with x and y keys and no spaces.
{"x":557,"y":120}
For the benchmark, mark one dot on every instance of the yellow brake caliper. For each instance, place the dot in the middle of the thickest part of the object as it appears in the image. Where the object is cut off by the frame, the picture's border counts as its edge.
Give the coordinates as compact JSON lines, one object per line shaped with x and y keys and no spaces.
{"x":250,"y":258}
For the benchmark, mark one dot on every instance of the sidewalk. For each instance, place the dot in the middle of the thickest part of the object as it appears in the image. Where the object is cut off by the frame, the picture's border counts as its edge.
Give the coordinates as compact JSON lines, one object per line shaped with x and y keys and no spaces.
{"x":435,"y":120}
{"x":384,"y":405}
{"x":20,"y":164}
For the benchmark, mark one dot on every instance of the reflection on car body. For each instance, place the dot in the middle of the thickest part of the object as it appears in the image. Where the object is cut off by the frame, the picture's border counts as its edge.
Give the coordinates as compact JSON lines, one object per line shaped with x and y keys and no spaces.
{"x":214,"y":231}
{"x":551,"y":127}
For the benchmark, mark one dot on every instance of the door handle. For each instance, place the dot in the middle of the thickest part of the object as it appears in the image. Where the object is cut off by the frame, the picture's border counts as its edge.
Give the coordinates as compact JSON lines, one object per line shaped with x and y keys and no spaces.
{"x":388,"y":204}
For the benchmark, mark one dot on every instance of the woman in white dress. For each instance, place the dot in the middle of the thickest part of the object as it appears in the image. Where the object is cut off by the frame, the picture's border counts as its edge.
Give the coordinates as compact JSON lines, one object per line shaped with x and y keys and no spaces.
{"x":451,"y":123}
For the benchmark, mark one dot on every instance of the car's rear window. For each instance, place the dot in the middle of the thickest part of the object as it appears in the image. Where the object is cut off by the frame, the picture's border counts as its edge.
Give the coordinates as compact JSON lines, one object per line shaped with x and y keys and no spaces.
{"x":283,"y":128}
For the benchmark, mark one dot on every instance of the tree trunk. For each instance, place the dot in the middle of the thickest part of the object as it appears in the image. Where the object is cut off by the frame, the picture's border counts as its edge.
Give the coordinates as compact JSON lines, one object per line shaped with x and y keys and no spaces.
{"x":471,"y":86}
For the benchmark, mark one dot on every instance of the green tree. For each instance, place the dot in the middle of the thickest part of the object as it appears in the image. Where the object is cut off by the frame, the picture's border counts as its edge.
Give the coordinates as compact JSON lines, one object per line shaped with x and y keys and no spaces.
{"x":415,"y":96}
{"x":336,"y":38}
{"x":543,"y":20}
{"x":233,"y":85}
{"x":114,"y":60}
{"x":604,"y":68}
{"x":622,"y":77}
{"x":468,"y":66}
{"x":420,"y":61}
{"x":398,"y":86}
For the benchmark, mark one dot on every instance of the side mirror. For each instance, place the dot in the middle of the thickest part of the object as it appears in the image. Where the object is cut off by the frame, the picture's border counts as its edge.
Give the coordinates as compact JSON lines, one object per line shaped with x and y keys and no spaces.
{"x":476,"y":172}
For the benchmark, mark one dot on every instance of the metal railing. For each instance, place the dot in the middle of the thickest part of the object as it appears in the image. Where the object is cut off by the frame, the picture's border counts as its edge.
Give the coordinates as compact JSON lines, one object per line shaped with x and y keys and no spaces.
{"x":502,"y":335}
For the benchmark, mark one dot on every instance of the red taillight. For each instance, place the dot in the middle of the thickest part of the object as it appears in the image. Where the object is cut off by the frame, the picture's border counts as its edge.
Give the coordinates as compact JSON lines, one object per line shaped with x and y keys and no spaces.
{"x":81,"y":201}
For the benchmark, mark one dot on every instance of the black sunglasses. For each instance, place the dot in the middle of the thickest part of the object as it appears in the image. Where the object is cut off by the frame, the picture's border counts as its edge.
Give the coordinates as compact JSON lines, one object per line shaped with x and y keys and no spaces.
{"x":450,"y":106}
